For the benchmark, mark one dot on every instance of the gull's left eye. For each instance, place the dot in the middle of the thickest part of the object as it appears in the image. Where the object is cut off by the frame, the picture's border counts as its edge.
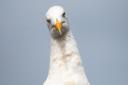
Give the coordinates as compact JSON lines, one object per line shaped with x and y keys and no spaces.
{"x":63,"y":15}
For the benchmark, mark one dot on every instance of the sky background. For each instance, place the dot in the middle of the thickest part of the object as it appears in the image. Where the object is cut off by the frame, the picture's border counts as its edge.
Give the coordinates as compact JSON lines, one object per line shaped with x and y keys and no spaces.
{"x":100,"y":28}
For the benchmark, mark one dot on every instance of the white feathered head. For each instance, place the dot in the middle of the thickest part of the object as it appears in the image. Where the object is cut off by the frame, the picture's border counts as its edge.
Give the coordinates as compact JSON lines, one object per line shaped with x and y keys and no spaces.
{"x":57,"y":21}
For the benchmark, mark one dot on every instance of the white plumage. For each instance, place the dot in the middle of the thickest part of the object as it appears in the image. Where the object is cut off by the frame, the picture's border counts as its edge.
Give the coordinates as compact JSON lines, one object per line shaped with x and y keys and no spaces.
{"x":65,"y":62}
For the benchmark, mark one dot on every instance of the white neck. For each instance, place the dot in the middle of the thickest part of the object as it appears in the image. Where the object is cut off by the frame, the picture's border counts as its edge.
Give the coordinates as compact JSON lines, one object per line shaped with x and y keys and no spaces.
{"x":65,"y":63}
{"x":64,"y":54}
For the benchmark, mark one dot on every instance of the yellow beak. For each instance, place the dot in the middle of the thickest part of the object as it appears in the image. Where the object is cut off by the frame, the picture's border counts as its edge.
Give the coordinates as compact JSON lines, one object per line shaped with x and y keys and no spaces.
{"x":58,"y":26}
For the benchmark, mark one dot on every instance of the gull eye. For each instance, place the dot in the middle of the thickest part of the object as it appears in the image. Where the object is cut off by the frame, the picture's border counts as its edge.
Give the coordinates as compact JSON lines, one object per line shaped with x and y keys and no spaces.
{"x":63,"y":15}
{"x":48,"y":20}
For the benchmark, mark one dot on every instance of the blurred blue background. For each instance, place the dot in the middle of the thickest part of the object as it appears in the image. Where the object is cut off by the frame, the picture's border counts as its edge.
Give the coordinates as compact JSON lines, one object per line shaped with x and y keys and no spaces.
{"x":99,"y":26}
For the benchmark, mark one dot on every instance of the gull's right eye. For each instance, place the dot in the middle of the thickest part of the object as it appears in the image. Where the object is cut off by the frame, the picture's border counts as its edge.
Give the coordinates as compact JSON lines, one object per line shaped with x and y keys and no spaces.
{"x":64,"y":14}
{"x":48,"y":20}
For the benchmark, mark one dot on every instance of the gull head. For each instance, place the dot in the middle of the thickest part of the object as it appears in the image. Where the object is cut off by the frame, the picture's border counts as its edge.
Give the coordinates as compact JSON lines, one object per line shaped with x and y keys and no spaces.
{"x":57,"y":21}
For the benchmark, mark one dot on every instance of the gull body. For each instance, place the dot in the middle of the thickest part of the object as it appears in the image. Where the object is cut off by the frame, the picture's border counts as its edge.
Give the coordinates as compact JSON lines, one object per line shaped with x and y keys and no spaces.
{"x":65,"y":63}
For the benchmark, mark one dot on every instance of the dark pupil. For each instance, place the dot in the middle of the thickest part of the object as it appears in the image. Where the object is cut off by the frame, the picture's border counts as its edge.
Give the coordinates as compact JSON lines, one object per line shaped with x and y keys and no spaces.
{"x":63,"y":14}
{"x":48,"y":20}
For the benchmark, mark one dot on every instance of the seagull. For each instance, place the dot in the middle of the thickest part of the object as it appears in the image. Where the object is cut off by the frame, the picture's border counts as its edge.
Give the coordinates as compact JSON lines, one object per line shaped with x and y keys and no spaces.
{"x":65,"y":66}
